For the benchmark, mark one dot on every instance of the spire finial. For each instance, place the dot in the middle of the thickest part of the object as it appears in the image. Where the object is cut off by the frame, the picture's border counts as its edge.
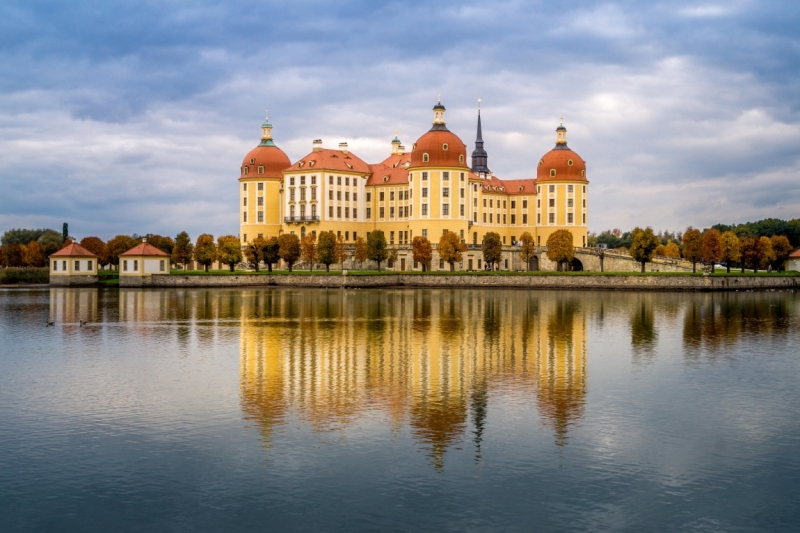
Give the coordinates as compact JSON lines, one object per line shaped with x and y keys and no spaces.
{"x":440,"y":98}
{"x":562,"y":119}
{"x":266,"y":115}
{"x":479,"y":105}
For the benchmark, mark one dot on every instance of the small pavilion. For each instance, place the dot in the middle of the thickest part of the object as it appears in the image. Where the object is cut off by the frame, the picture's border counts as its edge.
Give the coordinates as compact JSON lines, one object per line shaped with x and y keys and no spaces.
{"x":73,"y":265}
{"x":143,"y":260}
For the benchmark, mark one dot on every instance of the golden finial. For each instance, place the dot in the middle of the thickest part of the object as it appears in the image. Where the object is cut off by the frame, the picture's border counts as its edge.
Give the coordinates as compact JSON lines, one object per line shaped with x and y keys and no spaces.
{"x":440,"y":98}
{"x":479,"y":104}
{"x":266,"y":115}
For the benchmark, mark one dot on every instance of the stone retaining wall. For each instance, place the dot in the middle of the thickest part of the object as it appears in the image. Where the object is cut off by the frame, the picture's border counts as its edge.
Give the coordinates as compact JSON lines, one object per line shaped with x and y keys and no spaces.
{"x":595,"y":282}
{"x":72,"y":281}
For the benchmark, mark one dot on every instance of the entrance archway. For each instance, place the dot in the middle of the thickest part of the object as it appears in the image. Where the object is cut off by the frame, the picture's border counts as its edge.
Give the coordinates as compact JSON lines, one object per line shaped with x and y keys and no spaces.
{"x":533,"y":263}
{"x":576,"y":265}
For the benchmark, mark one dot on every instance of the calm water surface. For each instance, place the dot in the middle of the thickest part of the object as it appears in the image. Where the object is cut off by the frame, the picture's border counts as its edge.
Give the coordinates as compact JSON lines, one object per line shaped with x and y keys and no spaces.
{"x":435,"y":410}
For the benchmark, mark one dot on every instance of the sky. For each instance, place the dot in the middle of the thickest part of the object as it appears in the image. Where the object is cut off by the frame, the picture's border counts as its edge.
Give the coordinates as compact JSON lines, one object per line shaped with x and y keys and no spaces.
{"x":134,"y":117}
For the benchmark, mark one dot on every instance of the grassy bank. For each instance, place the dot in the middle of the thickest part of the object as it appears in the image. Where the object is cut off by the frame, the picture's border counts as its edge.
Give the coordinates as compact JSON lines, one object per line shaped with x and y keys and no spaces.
{"x":16,"y":275}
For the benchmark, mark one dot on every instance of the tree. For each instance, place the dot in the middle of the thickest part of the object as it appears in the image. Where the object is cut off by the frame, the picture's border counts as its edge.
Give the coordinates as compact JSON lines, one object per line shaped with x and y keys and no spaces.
{"x":183,"y":250}
{"x":229,"y":250}
{"x":165,"y":244}
{"x":713,"y":250}
{"x":254,"y":251}
{"x":754,"y":251}
{"x":289,"y":249}
{"x":422,"y":251}
{"x":492,"y":249}
{"x":34,"y":254}
{"x":768,"y":254}
{"x":643,"y":245}
{"x":271,"y":251}
{"x":660,"y":251}
{"x":64,"y":231}
{"x":560,"y":248}
{"x":693,"y":247}
{"x":51,"y":241}
{"x":15,"y":254}
{"x":341,"y":251}
{"x":391,"y":257}
{"x":450,"y":248}
{"x":326,"y":249}
{"x":360,"y":252}
{"x":730,"y":249}
{"x":118,"y":245}
{"x":205,"y":251}
{"x":527,"y":251}
{"x":672,"y":250}
{"x":781,"y":248}
{"x":376,"y":247}
{"x":94,"y":245}
{"x":308,"y":250}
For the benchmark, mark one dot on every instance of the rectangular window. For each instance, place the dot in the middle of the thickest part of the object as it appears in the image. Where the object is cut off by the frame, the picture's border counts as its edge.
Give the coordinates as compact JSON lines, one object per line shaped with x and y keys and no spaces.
{"x":552,"y":188}
{"x":260,"y":186}
{"x":538,"y":218}
{"x":552,"y":202}
{"x":314,"y":210}
{"x":584,"y":189}
{"x":291,"y":195}
{"x":313,"y":180}
{"x":330,"y":180}
{"x":424,"y":176}
{"x":425,"y":233}
{"x":524,"y":204}
{"x":339,"y":212}
{"x":302,"y":180}
{"x":424,"y":209}
{"x":569,"y":218}
{"x":355,"y":235}
{"x":445,"y":176}
{"x":313,"y":193}
{"x":462,"y":210}
{"x":330,"y":195}
{"x":584,"y":203}
{"x":441,"y":264}
{"x":382,"y":212}
{"x":347,"y":181}
{"x":407,"y":194}
{"x":504,"y":218}
{"x":490,"y":202}
{"x":513,"y":218}
{"x":491,"y":218}
{"x":355,"y":196}
{"x":424,"y":192}
{"x":475,"y":216}
{"x":524,"y":219}
{"x":584,"y":218}
{"x":291,"y":211}
{"x":462,"y":192}
{"x":338,"y":195}
{"x":391,"y":212}
{"x":369,"y":212}
{"x":445,"y":209}
{"x":55,"y":266}
{"x":475,"y":202}
{"x":406,"y":211}
{"x":380,"y":196}
{"x":244,"y":216}
{"x":161,"y":265}
{"x":291,"y":181}
{"x":355,"y":215}
{"x":346,"y":212}
{"x":261,"y":216}
{"x":245,"y":201}
{"x":569,"y":202}
{"x":346,"y":196}
{"x":513,"y":204}
{"x":569,"y":188}
{"x":260,"y":200}
{"x":462,"y":176}
{"x":369,"y":196}
{"x":77,"y":266}
{"x":446,"y":192}
{"x":330,"y":211}
{"x":504,"y":204}
{"x":552,"y":218}
{"x":462,"y":234}
{"x":338,"y":180}
{"x":244,"y":186}
{"x":391,"y":195}
{"x":124,"y":266}
{"x":136,"y":265}
{"x":484,"y":218}
{"x":391,"y":237}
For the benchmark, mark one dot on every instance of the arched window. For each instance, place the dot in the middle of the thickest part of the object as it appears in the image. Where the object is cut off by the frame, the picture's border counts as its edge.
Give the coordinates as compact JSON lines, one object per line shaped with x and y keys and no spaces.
{"x":552,"y":173}
{"x":425,"y":158}
{"x":461,"y":158}
{"x":583,"y":173}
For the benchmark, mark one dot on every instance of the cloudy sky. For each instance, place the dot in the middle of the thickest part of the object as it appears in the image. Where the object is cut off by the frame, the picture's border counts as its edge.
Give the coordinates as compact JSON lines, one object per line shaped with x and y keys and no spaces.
{"x":123,"y":117}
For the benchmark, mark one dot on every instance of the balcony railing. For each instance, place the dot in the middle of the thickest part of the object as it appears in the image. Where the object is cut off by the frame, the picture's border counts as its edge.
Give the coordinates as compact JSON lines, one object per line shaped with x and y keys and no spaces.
{"x":300,"y":219}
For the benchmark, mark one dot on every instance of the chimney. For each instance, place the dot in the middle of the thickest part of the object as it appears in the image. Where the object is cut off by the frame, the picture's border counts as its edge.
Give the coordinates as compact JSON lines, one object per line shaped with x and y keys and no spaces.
{"x":317,"y":145}
{"x":343,"y":147}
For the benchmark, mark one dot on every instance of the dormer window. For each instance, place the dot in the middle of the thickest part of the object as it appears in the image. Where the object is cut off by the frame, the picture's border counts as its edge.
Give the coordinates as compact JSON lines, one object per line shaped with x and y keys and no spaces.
{"x":261,"y":169}
{"x":583,"y":173}
{"x":425,"y":158}
{"x":311,"y":164}
{"x":252,"y":160}
{"x":541,"y":163}
{"x":461,"y":158}
{"x":348,"y":165}
{"x":300,"y":164}
{"x":569,"y":162}
{"x":444,"y":146}
{"x":552,"y":173}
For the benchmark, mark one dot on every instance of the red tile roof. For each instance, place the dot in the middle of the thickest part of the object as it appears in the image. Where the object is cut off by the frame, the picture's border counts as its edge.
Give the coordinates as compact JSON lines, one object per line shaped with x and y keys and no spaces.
{"x":73,"y":250}
{"x":795,"y":254}
{"x":145,"y":249}
{"x":327,"y":159}
{"x":526,"y":186}
{"x":386,"y":175}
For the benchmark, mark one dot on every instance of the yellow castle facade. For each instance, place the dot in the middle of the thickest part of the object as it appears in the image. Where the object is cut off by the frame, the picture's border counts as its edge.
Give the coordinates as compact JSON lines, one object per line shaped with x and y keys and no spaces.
{"x":425,"y":191}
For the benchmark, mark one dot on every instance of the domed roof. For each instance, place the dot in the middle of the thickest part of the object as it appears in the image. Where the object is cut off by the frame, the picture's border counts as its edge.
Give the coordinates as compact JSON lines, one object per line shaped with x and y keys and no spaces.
{"x":567,"y":165}
{"x":561,"y":163}
{"x":273,"y":160}
{"x":443,"y":147}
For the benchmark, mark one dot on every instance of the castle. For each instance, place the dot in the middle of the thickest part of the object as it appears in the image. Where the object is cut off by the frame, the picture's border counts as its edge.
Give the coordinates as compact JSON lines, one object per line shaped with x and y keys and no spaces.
{"x":425,"y":191}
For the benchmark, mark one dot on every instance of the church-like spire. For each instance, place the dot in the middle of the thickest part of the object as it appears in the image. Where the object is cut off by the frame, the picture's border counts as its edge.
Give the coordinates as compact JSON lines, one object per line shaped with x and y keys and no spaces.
{"x":479,"y":155}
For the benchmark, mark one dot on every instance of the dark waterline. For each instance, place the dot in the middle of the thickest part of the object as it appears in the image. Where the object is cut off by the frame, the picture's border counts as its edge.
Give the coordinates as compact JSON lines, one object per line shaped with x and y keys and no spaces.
{"x":398,"y":410}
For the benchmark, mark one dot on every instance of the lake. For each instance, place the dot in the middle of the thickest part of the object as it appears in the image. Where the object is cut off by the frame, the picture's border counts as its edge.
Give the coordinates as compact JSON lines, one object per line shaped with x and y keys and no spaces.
{"x":398,"y":410}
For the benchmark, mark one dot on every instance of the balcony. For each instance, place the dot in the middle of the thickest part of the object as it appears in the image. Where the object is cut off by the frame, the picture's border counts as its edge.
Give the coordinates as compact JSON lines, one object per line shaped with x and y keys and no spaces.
{"x":301,"y":219}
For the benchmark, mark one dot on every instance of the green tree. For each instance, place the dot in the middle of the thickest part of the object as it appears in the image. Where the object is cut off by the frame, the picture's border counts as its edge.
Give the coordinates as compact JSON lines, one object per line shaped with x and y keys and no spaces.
{"x":183,"y":250}
{"x":527,"y":251}
{"x":229,"y":250}
{"x":713,"y":249}
{"x":289,"y":249}
{"x":165,"y":244}
{"x":492,"y":249}
{"x":51,"y":241}
{"x":272,"y":253}
{"x":643,"y":245}
{"x":450,"y":248}
{"x":560,"y":247}
{"x":422,"y":251}
{"x":730,"y":249}
{"x":360,"y":252}
{"x":64,"y":231}
{"x":693,"y":247}
{"x":118,"y":245}
{"x":326,"y":249}
{"x":205,"y":251}
{"x":254,"y":251}
{"x":781,"y":248}
{"x":376,"y":247}
{"x":308,"y":250}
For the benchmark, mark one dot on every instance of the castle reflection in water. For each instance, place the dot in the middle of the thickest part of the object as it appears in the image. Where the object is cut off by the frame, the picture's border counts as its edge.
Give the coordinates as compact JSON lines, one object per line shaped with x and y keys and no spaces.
{"x":426,"y":360}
